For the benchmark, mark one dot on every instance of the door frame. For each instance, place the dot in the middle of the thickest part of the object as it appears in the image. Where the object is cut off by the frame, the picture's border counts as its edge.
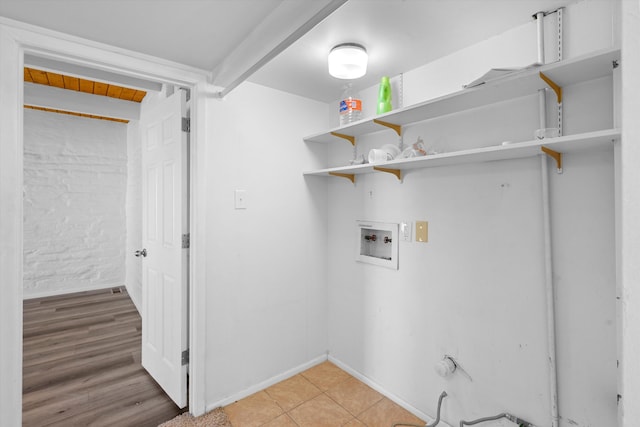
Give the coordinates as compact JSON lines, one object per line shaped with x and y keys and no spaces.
{"x":16,"y":40}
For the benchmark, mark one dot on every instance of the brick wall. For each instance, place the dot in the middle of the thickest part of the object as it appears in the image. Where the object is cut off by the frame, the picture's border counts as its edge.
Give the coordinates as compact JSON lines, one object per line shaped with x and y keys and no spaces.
{"x":75,"y":179}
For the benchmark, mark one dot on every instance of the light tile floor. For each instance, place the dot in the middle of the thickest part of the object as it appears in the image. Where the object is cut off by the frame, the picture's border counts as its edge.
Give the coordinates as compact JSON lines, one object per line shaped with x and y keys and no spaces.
{"x":323,"y":396}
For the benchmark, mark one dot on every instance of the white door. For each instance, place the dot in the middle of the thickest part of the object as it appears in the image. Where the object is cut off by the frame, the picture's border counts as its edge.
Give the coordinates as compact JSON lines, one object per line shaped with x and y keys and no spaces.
{"x":165,"y":220}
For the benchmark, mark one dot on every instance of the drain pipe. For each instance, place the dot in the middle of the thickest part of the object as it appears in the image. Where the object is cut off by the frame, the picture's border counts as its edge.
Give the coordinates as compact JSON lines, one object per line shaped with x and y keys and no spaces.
{"x":548,"y":261}
{"x":550,"y":293}
{"x":520,"y":422}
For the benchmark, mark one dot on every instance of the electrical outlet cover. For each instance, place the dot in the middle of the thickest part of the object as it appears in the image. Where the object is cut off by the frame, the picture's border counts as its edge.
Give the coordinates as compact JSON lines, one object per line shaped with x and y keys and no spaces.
{"x":422,"y":234}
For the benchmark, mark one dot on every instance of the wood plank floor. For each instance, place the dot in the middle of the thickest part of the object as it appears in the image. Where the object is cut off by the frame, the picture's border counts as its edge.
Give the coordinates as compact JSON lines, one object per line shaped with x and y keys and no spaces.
{"x":81,"y":364}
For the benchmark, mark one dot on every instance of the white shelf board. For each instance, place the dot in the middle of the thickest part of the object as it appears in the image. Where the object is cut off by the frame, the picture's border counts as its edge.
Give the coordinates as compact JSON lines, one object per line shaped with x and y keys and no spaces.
{"x":521,"y":83}
{"x":565,"y":144}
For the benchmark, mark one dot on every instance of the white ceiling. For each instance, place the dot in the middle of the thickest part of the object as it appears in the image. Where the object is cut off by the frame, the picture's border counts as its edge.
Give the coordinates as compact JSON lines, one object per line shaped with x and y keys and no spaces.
{"x":398,"y":34}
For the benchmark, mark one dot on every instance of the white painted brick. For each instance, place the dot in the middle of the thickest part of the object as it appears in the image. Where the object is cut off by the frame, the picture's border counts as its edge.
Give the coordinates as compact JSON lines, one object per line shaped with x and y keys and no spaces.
{"x":75,"y":178}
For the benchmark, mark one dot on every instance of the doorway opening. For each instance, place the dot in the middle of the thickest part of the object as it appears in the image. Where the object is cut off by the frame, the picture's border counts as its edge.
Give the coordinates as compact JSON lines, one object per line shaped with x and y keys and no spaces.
{"x":105,"y":170}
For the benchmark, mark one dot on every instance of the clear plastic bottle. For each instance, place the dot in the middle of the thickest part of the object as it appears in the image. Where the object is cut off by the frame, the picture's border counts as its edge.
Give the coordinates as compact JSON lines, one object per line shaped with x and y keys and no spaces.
{"x":350,"y":106}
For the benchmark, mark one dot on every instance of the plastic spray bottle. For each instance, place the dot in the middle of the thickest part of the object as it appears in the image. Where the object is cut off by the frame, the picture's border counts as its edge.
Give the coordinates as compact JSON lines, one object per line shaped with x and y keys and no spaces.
{"x":384,"y":96}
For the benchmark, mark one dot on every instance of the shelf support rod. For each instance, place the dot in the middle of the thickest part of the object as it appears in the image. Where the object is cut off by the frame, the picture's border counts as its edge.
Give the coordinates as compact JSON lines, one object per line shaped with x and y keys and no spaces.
{"x":559,"y":12}
{"x":556,"y":88}
{"x":397,"y":128}
{"x":555,"y":155}
{"x":396,"y":172}
{"x":351,"y":177}
{"x":351,"y":139}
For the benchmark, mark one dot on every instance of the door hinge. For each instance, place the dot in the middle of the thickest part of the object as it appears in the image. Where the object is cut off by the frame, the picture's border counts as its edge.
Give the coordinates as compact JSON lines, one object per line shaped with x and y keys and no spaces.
{"x":186,"y":124}
{"x":185,"y":357}
{"x":186,"y":240}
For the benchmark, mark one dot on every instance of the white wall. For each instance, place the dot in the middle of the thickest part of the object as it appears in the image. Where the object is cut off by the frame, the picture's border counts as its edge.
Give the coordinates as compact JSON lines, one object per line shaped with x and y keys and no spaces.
{"x":266,"y":265}
{"x":217,"y":289}
{"x":133,"y":264}
{"x":475,"y":291}
{"x":629,"y":230}
{"x":74,"y":203}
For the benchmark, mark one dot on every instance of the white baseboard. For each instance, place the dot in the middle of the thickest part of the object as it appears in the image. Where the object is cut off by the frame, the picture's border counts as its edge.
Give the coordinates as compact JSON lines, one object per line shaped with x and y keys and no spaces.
{"x":56,"y":292}
{"x":134,"y":297}
{"x":267,"y":383}
{"x":377,"y":387}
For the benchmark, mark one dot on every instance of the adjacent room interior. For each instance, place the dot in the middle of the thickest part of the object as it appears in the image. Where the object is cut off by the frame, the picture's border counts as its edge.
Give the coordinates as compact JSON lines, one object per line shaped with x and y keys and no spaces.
{"x":83,"y":214}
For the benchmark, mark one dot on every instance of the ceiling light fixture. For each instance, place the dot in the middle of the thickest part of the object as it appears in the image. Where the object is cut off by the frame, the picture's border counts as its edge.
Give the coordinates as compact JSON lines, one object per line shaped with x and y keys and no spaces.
{"x":348,"y":61}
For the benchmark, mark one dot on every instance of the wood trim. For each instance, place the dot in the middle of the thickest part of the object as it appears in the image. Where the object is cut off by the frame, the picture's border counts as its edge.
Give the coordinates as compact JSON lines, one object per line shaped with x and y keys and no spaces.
{"x":72,"y":113}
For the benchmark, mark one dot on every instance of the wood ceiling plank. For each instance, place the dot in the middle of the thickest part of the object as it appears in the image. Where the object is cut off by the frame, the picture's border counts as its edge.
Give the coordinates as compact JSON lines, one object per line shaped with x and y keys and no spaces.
{"x":127,"y":94}
{"x":139,"y":95}
{"x":27,"y":75}
{"x":39,"y":77}
{"x":86,"y":86}
{"x":114,"y":91}
{"x":100,"y":88}
{"x":55,"y":80}
{"x":71,"y":83}
{"x":62,"y":81}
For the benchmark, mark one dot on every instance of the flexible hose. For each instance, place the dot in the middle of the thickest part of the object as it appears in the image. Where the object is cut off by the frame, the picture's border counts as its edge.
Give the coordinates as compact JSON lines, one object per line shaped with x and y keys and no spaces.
{"x":482,"y":420}
{"x":435,"y":422}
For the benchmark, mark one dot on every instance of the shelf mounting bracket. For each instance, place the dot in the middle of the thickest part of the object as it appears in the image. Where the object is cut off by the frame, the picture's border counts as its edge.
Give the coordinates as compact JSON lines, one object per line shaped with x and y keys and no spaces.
{"x":556,"y":88}
{"x":396,"y":172}
{"x":395,"y":127}
{"x":351,"y":177}
{"x":351,"y":139}
{"x":555,"y":155}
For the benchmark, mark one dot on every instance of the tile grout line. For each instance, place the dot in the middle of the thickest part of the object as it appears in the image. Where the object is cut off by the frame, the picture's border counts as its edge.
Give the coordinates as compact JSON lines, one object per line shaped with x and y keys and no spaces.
{"x":324,"y":385}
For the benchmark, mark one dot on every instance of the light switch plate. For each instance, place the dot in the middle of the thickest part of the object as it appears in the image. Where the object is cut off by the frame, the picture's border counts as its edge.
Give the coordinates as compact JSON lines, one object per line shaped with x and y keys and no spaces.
{"x":422,"y":234}
{"x":241,"y":199}
{"x":405,"y":231}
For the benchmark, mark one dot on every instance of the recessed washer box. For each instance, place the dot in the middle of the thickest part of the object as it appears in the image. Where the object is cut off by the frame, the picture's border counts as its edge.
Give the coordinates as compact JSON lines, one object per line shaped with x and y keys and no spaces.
{"x":377,"y":243}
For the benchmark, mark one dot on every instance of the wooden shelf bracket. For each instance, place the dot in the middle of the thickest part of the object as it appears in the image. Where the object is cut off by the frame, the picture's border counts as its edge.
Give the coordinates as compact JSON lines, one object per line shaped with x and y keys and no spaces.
{"x":351,"y":177}
{"x":556,"y":88}
{"x":396,"y":172}
{"x":351,"y":139}
{"x":555,"y":155}
{"x":395,"y":127}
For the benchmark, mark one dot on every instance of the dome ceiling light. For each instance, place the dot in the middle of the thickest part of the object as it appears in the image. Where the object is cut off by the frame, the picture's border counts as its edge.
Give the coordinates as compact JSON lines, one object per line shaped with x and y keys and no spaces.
{"x":348,"y":61}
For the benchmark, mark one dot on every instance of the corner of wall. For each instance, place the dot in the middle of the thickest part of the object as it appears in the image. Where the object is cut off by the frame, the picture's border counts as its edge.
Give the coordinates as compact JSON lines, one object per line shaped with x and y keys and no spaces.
{"x":133,"y":269}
